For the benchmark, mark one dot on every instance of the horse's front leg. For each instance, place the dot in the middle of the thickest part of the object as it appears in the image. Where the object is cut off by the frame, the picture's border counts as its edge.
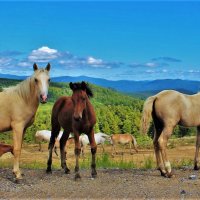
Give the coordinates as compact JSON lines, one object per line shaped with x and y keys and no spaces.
{"x":18,"y":131}
{"x":103,"y":149}
{"x":63,"y":141}
{"x":197,"y":149}
{"x":52,"y":141}
{"x":93,"y":152}
{"x":77,"y":152}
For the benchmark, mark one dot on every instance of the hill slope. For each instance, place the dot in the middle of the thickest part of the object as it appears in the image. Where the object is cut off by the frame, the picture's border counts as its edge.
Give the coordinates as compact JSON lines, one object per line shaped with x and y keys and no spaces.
{"x":132,"y":87}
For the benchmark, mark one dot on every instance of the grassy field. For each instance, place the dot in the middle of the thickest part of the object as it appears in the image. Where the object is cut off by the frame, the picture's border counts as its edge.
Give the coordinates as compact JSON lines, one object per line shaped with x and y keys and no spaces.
{"x":180,"y":151}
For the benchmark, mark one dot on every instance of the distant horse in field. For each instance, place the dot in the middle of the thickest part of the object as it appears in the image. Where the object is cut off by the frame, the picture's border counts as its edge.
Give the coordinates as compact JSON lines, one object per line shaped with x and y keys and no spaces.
{"x":74,"y":114}
{"x":45,"y":135}
{"x":100,"y":139}
{"x":4,"y":148}
{"x":18,"y":105}
{"x":123,"y":139}
{"x":169,"y":108}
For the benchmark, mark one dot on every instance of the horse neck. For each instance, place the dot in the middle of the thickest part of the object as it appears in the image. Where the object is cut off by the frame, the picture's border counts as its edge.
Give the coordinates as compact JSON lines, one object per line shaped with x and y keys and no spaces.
{"x":89,"y":111}
{"x":28,"y":92}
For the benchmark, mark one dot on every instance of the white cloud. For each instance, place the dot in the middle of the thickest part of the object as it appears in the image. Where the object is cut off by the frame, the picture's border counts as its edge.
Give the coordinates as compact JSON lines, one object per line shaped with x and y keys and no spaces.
{"x":94,"y":61}
{"x":43,"y":54}
{"x":164,"y":70}
{"x":149,"y":71}
{"x":24,"y":64}
{"x":5,"y":61}
{"x":150,"y":64}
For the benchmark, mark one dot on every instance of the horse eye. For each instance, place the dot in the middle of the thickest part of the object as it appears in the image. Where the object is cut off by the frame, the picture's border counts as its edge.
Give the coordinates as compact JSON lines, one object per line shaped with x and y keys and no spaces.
{"x":36,"y":80}
{"x":83,"y":98}
{"x":49,"y":80}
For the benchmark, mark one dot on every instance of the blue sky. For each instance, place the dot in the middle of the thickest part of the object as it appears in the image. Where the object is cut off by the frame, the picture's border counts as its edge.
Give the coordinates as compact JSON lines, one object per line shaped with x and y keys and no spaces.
{"x":114,"y":40}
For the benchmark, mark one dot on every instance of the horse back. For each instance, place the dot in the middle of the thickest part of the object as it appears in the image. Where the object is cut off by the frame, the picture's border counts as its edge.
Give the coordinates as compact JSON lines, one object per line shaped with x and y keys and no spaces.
{"x":176,"y":108}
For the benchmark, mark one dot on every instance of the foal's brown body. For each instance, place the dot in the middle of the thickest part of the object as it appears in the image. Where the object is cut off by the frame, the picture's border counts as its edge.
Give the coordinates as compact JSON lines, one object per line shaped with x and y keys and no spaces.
{"x":74,"y":114}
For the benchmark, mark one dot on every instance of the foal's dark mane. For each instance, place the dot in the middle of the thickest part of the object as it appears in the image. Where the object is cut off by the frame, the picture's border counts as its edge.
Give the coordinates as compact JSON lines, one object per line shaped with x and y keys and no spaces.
{"x":82,"y":86}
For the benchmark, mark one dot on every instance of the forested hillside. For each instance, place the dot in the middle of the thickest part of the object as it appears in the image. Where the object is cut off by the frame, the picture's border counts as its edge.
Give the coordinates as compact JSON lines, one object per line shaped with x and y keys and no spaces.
{"x":116,"y":112}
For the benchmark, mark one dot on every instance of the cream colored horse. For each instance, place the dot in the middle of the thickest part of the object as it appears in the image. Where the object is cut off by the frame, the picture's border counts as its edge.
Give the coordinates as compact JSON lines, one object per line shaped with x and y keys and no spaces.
{"x":18,"y":106}
{"x":169,"y":108}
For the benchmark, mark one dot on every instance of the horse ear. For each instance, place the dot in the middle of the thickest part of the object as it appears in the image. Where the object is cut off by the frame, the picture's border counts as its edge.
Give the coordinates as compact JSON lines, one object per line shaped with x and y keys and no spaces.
{"x":35,"y":67}
{"x":71,"y":85}
{"x":48,"y":67}
{"x":83,"y":85}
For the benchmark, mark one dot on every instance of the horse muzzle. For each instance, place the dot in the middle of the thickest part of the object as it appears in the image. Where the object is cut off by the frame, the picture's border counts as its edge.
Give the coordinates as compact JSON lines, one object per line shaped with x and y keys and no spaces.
{"x":43,"y":99}
{"x":77,"y":118}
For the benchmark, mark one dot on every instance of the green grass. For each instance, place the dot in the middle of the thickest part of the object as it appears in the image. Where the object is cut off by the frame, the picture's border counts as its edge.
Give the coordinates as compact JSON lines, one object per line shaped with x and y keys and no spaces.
{"x":106,"y":161}
{"x":149,"y":163}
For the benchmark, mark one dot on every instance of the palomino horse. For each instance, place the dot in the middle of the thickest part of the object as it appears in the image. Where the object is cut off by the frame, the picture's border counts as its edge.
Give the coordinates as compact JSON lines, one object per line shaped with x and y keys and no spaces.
{"x":123,"y":139}
{"x":169,"y":108}
{"x":74,"y":114}
{"x":4,"y":148}
{"x":100,"y":139}
{"x":18,"y":105}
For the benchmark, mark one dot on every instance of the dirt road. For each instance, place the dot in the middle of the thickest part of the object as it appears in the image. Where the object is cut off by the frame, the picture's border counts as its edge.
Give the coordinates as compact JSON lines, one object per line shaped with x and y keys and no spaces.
{"x":110,"y":184}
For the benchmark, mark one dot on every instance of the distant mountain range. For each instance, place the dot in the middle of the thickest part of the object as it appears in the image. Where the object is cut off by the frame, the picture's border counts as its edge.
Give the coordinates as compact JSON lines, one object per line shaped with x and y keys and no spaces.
{"x":145,"y":88}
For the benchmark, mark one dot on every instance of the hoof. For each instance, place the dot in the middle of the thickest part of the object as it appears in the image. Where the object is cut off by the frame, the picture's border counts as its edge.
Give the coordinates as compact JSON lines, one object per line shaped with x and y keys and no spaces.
{"x":196,"y":167}
{"x":48,"y":171}
{"x":18,"y":180}
{"x":94,"y":175}
{"x":77,"y":177}
{"x":162,"y":173}
{"x":67,"y":171}
{"x":170,"y":175}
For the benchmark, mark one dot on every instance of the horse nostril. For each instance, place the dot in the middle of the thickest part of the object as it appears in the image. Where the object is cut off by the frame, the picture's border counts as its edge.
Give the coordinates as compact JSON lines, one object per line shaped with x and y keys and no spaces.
{"x":77,"y":118}
{"x":43,"y":98}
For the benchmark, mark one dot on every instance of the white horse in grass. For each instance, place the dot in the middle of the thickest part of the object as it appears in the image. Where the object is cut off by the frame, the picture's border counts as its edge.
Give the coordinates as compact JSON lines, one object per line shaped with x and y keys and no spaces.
{"x":45,"y":135}
{"x":100,"y":139}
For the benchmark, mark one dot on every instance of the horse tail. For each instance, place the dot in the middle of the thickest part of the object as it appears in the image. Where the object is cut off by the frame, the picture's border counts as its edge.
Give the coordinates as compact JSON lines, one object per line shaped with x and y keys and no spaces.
{"x":147,"y":113}
{"x":134,"y":142}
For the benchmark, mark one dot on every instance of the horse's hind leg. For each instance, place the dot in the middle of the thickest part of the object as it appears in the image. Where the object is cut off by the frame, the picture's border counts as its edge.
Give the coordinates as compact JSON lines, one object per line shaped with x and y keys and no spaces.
{"x":197,"y":149}
{"x":77,"y":152}
{"x":167,"y":131}
{"x":130,"y":148}
{"x":113,"y":149}
{"x":160,"y":166}
{"x":63,"y":140}
{"x":93,"y":151}
{"x":54,"y":133}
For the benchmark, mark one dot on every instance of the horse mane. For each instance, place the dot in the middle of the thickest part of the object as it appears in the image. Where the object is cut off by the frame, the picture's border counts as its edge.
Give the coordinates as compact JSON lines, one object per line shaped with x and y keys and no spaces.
{"x":24,"y":89}
{"x":82,"y":86}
